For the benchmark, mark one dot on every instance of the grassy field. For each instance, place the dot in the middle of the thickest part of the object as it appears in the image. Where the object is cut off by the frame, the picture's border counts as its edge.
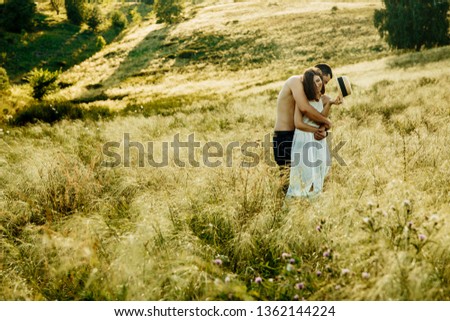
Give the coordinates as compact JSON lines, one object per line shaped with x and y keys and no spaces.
{"x":75,"y":228}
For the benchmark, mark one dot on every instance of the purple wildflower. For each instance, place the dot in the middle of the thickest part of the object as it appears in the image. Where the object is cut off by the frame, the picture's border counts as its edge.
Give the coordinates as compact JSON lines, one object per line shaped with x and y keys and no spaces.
{"x":318,"y":273}
{"x":318,"y":228}
{"x":217,"y":261}
{"x":300,"y":286}
{"x":292,"y":261}
{"x":258,"y":280}
{"x":365,"y":275}
{"x":285,"y":255}
{"x":327,"y":253}
{"x":422,"y":237}
{"x":296,"y":297}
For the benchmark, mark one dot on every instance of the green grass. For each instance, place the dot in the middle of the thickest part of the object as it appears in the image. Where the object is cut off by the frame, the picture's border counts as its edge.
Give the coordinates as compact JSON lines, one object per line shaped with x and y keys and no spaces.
{"x":234,"y":51}
{"x":168,"y":106}
{"x":54,"y":44}
{"x":419,"y":58}
{"x":55,"y":47}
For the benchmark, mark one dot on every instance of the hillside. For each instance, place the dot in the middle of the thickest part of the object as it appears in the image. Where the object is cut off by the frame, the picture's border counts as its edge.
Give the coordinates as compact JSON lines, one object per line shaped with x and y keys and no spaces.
{"x":76,"y":227}
{"x":244,"y":41}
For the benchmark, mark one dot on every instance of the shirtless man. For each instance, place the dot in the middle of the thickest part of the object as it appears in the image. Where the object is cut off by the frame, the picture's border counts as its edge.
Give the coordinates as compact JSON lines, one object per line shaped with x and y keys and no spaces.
{"x":292,"y":94}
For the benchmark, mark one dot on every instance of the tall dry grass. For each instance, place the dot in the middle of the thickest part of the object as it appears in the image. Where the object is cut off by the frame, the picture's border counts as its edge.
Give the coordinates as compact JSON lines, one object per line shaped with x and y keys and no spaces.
{"x":73,"y":229}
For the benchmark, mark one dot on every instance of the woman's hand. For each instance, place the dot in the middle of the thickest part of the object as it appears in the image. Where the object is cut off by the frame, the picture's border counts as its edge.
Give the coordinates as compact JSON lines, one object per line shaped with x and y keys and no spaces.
{"x":337,"y":101}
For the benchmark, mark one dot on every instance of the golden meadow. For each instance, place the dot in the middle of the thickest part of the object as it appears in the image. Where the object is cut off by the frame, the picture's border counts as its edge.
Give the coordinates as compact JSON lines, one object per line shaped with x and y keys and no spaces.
{"x":74,"y":229}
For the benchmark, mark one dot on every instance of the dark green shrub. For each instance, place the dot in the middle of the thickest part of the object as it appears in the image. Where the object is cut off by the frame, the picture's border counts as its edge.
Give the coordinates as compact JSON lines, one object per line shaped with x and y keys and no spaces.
{"x":135,"y":16}
{"x":53,"y":112}
{"x":100,"y":42}
{"x":98,"y":113}
{"x":43,"y":82}
{"x":168,"y":11}
{"x":47,"y":113}
{"x":94,"y":17}
{"x":4,"y":79}
{"x":118,"y":20}
{"x":413,"y":24}
{"x":75,"y":11}
{"x":18,"y":15}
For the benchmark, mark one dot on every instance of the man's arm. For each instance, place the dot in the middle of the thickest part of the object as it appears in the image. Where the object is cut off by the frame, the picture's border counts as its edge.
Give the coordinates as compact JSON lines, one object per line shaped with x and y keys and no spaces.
{"x":319,"y":133}
{"x":305,"y":107}
{"x":299,"y":124}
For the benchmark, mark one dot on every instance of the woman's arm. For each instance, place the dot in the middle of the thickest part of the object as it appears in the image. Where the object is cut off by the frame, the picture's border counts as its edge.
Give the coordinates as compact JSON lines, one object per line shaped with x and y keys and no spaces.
{"x":327,"y":102}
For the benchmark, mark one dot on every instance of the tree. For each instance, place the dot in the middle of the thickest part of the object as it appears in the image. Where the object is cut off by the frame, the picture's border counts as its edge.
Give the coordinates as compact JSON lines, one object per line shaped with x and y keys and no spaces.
{"x":4,"y":79}
{"x":18,"y":15}
{"x":168,"y":11}
{"x":75,"y":11}
{"x":42,"y":81}
{"x":56,"y":5}
{"x":94,"y":17}
{"x":412,"y":24}
{"x":118,"y":20}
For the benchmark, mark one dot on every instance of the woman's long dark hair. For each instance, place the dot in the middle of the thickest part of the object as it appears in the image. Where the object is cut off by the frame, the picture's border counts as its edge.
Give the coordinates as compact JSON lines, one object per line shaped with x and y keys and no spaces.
{"x":308,"y":83}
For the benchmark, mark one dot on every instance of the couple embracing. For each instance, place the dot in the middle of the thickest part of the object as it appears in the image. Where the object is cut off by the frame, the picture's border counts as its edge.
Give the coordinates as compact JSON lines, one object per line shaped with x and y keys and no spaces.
{"x":302,"y":124}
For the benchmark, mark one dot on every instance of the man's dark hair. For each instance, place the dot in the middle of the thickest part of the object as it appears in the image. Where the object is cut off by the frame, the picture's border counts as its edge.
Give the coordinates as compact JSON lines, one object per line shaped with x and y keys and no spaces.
{"x":326,"y":69}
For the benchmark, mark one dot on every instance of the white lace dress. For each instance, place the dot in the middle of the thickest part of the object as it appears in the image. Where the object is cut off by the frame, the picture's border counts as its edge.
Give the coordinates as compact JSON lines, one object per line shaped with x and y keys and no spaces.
{"x":310,"y":160}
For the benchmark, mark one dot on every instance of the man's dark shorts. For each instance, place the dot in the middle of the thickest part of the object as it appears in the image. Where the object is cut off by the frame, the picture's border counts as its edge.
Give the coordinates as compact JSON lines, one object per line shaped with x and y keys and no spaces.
{"x":282,"y":145}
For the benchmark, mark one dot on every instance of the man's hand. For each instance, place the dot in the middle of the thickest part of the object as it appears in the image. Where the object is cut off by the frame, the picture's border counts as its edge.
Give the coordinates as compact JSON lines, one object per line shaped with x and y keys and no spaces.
{"x":321,"y":133}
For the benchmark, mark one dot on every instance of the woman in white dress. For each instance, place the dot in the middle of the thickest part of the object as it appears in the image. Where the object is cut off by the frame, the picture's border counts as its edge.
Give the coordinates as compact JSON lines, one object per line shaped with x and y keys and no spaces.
{"x":310,"y":159}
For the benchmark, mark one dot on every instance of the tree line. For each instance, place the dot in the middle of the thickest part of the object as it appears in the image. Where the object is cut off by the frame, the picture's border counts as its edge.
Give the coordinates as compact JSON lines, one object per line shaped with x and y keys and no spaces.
{"x":18,"y":15}
{"x":413,"y":24}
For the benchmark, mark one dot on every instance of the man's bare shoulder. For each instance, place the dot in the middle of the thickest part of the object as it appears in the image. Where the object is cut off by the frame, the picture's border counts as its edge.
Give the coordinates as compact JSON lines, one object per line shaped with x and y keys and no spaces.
{"x":295,"y":78}
{"x":295,"y":81}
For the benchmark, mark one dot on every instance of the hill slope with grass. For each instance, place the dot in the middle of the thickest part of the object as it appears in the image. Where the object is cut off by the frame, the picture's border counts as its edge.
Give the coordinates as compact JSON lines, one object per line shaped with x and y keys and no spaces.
{"x":76,"y":227}
{"x":223,"y":48}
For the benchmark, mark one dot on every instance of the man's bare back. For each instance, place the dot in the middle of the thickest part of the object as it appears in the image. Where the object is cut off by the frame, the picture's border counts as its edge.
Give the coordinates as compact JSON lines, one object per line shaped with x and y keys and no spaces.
{"x":286,"y":104}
